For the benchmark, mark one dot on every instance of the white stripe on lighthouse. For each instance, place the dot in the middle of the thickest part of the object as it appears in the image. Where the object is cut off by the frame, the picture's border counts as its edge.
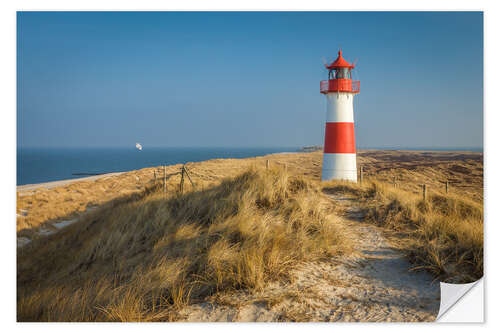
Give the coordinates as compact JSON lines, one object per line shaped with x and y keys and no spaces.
{"x":339,"y":166}
{"x":339,"y":107}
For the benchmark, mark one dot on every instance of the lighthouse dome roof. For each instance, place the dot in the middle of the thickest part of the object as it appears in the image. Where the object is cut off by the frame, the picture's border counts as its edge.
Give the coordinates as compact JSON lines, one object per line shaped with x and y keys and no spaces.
{"x":340,"y":62}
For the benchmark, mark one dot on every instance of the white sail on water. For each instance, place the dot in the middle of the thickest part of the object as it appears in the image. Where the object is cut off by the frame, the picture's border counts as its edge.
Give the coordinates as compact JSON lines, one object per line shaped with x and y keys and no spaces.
{"x":138,"y":146}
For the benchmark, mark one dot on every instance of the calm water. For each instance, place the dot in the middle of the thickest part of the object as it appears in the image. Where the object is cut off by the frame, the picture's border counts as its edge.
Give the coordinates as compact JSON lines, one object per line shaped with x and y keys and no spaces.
{"x":44,"y":165}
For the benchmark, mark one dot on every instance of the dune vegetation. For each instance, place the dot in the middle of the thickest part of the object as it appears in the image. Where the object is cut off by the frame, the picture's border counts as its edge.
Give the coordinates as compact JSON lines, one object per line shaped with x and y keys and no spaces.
{"x":142,"y":254}
{"x":145,"y":258}
{"x":42,"y":207}
{"x":442,"y":234}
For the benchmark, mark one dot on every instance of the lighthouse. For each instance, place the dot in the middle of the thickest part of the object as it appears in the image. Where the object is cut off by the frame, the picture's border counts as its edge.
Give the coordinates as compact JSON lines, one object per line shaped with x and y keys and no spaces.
{"x":339,"y":154}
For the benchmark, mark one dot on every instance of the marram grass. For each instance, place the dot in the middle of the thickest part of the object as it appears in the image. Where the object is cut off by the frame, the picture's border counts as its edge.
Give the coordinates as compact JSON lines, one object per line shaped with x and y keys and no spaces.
{"x":146,"y":258}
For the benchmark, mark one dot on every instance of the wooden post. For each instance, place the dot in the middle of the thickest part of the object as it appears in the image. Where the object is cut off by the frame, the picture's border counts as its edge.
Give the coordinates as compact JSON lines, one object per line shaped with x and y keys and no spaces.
{"x":164,"y":179}
{"x":361,"y":174}
{"x":394,"y":179}
{"x":424,"y":191}
{"x":189,"y":177}
{"x":447,"y":184}
{"x":286,"y":168}
{"x":154,"y":171}
{"x":267,"y":164}
{"x":181,"y":185}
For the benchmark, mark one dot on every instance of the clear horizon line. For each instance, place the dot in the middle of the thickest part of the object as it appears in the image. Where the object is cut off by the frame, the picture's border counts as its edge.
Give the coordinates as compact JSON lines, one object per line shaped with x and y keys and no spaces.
{"x":256,"y":146}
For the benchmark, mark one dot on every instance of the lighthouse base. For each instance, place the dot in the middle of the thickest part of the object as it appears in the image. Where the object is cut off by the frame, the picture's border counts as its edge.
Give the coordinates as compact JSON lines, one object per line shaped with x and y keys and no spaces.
{"x":339,"y":167}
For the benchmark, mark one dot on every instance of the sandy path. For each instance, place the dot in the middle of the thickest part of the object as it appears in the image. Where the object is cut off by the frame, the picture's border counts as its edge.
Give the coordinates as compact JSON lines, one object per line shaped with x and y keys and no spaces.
{"x":373,"y":285}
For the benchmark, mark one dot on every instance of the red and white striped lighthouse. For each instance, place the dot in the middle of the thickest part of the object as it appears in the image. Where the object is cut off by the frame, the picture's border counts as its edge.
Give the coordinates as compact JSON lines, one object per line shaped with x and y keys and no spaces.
{"x":339,"y":154}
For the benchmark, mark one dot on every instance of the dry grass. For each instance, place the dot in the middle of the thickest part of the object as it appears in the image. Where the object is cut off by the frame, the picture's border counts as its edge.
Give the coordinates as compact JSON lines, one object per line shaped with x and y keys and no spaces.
{"x":410,"y":169}
{"x":42,"y":207}
{"x":443,"y":234}
{"x":145,"y":258}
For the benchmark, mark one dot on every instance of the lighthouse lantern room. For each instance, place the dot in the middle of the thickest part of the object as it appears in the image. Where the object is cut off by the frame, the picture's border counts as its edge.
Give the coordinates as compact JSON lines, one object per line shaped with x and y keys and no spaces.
{"x":339,"y":154}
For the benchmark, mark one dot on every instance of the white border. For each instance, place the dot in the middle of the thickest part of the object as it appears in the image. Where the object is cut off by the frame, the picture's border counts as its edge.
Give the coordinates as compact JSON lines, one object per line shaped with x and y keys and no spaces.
{"x":8,"y":123}
{"x":459,"y":309}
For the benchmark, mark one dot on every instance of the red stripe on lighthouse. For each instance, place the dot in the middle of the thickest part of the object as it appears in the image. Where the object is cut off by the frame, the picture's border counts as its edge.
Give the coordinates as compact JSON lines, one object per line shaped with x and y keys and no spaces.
{"x":339,"y":138}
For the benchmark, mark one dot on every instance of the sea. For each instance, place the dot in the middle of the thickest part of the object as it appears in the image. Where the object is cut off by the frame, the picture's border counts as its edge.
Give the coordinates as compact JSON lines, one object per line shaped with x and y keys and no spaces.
{"x":40,"y":165}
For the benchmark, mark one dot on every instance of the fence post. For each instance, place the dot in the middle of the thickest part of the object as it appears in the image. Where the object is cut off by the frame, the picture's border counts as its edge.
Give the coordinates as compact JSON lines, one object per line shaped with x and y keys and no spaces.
{"x":189,"y":177}
{"x":267,"y":164}
{"x":154,"y":172}
{"x":447,"y":184}
{"x":394,"y":180}
{"x":181,"y":185}
{"x":424,"y":191}
{"x":361,"y":174}
{"x":164,"y":179}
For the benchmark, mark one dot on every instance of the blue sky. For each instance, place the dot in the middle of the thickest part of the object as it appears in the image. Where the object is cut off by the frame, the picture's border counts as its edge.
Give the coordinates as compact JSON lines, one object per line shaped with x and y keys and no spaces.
{"x":251,"y":79}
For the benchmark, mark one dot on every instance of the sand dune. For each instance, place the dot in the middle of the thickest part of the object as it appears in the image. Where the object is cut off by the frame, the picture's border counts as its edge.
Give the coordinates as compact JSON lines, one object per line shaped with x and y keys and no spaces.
{"x":374,"y":282}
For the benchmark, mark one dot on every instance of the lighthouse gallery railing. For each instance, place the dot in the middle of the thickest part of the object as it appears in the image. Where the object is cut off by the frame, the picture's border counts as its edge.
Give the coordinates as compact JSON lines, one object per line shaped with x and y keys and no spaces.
{"x":339,"y":85}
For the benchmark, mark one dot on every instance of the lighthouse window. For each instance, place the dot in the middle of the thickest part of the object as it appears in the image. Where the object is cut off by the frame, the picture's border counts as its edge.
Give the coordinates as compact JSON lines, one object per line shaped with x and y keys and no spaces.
{"x":343,"y":73}
{"x":331,"y":75}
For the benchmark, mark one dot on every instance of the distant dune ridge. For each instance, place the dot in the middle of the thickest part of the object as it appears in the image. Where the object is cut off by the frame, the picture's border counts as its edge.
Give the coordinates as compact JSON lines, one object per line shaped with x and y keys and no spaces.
{"x":308,"y":149}
{"x":247,"y":240}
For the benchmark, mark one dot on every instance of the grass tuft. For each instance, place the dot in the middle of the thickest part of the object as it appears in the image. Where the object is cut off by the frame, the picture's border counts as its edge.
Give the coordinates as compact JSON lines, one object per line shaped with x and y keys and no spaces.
{"x":147,"y":258}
